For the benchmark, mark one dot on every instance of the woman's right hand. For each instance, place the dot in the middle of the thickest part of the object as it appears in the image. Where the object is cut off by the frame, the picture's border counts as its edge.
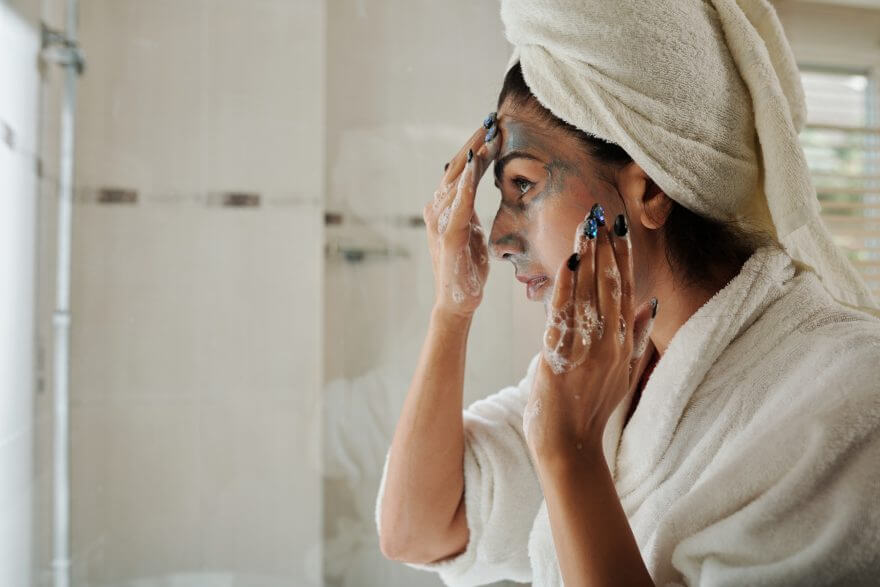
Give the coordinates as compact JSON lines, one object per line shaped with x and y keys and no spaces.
{"x":459,"y":251}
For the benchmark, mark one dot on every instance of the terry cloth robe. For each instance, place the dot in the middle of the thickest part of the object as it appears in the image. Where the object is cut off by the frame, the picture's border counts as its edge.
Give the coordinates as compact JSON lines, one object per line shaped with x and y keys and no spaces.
{"x":752,"y":458}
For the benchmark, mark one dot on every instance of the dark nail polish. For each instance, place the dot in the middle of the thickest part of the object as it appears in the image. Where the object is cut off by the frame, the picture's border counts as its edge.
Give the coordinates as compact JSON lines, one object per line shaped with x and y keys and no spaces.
{"x":491,"y":134}
{"x":620,"y":227}
{"x":574,"y":261}
{"x":445,"y":167}
{"x":470,"y":155}
{"x":591,"y":228}
{"x":490,"y":120}
{"x":654,"y":303}
{"x":598,"y":212}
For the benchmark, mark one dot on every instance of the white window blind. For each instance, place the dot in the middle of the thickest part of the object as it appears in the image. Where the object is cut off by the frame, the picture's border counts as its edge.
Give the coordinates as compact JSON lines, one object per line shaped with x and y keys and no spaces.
{"x":842,"y":143}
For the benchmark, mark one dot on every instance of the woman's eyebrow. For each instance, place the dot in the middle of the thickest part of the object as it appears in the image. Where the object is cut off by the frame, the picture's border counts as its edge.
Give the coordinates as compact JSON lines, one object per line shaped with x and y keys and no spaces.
{"x":500,"y":163}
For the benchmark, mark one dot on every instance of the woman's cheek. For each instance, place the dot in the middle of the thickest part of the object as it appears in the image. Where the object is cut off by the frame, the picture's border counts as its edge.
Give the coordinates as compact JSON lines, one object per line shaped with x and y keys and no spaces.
{"x":553,"y":242}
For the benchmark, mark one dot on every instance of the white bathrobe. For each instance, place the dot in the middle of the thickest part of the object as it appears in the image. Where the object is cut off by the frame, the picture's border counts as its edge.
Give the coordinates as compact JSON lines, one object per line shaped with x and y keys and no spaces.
{"x":753,"y":457}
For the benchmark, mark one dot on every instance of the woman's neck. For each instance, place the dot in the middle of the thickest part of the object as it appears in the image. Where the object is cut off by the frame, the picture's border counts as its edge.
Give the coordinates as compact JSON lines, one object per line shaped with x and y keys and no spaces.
{"x":676,"y":304}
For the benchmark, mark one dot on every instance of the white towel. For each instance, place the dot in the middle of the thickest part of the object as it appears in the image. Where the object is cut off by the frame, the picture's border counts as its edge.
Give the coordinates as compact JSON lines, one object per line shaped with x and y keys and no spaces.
{"x":751,"y":459}
{"x":690,"y":89}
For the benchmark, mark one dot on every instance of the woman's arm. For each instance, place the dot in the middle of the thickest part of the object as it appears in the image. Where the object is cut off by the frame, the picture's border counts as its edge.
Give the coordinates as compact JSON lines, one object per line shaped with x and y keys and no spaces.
{"x":425,"y":480}
{"x":581,"y":379}
{"x":593,"y":540}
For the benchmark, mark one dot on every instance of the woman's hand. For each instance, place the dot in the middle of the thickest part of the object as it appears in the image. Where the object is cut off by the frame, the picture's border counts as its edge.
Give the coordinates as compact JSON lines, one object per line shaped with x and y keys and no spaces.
{"x":459,"y":252}
{"x":593,"y":338}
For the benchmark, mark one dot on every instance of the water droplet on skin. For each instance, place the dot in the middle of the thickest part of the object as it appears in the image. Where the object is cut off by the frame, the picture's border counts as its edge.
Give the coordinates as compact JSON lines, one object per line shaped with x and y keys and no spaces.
{"x":579,"y":446}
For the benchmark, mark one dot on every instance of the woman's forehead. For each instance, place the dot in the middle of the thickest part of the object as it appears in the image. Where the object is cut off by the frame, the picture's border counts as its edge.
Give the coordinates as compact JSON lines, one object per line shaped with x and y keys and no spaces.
{"x":523,"y":132}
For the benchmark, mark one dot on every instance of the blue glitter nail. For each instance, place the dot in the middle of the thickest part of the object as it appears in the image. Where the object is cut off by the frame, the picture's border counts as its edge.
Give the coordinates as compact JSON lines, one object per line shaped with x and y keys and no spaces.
{"x":491,"y":134}
{"x":598,"y":212}
{"x":489,"y":120}
{"x":591,"y":229}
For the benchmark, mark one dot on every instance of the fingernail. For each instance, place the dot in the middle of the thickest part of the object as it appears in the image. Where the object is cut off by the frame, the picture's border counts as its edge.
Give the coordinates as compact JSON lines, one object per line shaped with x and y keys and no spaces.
{"x":654,"y":303}
{"x":598,"y":212}
{"x":470,"y":155}
{"x":620,"y":227}
{"x":491,"y":134}
{"x":591,"y":228}
{"x":489,"y":120}
{"x":574,"y":261}
{"x":445,"y":167}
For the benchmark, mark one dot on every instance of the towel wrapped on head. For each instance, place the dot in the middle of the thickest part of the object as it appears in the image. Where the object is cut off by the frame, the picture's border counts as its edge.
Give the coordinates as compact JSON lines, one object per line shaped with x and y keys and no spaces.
{"x":704,"y":95}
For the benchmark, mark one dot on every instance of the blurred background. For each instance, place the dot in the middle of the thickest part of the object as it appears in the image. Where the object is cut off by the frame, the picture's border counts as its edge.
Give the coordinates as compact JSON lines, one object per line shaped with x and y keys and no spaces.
{"x":214,"y":279}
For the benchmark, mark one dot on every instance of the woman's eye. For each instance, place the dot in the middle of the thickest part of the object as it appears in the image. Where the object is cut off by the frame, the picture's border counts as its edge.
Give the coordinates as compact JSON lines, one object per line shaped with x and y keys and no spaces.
{"x":522,"y":184}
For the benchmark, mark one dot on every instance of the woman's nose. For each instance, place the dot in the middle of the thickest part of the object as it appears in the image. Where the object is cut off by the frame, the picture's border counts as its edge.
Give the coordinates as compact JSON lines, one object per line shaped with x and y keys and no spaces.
{"x":503,"y":239}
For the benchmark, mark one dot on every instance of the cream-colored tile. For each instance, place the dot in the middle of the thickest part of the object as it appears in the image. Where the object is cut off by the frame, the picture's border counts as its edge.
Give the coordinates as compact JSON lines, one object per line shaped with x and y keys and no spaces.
{"x":135,"y":490}
{"x":260,"y":506}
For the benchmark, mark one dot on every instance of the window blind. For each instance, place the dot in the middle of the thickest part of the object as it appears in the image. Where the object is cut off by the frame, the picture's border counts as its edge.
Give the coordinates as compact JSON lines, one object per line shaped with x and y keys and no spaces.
{"x":841,"y":140}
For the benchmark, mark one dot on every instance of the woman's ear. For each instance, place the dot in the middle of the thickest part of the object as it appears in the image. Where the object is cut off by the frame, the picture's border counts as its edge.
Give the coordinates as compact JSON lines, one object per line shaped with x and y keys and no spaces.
{"x":645,"y":200}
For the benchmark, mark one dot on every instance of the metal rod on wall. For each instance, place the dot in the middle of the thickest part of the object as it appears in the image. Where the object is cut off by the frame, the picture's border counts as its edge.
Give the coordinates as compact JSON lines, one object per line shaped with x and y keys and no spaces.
{"x":62,"y":49}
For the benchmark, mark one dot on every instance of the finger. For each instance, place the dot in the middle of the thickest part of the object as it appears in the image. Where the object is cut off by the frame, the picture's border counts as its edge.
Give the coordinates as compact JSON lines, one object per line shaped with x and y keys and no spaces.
{"x":643,"y":322}
{"x":607,"y":279}
{"x":561,"y":311}
{"x":430,"y":218}
{"x":586,"y":285}
{"x":565,"y":280}
{"x":443,"y":195}
{"x":446,"y":200}
{"x":463,"y":205}
{"x":457,"y":163}
{"x":622,"y":245}
{"x":585,"y":291}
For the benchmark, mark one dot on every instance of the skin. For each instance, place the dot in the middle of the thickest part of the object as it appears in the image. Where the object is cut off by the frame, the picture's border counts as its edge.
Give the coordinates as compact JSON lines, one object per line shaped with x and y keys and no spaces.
{"x":544,"y":198}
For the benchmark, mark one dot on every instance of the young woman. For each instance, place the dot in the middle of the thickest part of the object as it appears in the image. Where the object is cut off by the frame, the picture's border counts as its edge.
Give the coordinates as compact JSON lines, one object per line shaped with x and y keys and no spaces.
{"x":706,"y":408}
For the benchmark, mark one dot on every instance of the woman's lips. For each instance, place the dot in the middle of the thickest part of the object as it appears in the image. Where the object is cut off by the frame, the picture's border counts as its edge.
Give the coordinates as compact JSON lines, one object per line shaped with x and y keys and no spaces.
{"x":533,"y":284}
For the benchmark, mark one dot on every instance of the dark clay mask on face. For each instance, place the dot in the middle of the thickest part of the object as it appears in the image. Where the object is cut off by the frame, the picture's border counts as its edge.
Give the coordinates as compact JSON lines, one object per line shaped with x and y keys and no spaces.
{"x":518,"y":137}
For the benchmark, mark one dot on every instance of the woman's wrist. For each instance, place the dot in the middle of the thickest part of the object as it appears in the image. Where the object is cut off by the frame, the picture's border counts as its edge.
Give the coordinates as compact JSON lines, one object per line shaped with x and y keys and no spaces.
{"x":451,"y":319}
{"x":564,"y":460}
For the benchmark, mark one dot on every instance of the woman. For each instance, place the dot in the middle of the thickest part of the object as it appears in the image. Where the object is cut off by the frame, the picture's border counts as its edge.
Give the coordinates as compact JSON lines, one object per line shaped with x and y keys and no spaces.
{"x":727,"y":435}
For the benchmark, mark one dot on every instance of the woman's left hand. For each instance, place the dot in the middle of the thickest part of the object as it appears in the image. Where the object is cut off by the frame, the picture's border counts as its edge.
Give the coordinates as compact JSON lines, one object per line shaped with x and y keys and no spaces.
{"x":594,"y":336}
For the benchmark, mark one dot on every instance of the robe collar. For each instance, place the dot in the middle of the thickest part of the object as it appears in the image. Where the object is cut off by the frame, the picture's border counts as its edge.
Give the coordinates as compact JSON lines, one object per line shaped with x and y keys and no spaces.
{"x":694,"y":348}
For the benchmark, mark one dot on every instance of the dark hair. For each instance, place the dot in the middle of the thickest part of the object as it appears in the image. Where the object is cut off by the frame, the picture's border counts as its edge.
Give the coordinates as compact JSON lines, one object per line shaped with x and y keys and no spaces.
{"x":697,"y":247}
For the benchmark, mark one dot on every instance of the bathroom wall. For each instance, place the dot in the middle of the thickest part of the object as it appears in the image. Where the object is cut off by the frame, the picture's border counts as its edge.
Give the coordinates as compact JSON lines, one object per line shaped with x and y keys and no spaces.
{"x":19,"y":45}
{"x":196,"y":326}
{"x":407,"y":83}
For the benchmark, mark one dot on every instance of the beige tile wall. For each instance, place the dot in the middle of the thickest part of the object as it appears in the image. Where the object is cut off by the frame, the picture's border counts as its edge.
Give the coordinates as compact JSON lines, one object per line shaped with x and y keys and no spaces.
{"x":196,"y":328}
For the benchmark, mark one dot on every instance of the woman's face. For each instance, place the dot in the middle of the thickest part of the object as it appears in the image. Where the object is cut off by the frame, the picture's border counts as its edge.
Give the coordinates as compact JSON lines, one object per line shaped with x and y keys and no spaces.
{"x":548,"y":186}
